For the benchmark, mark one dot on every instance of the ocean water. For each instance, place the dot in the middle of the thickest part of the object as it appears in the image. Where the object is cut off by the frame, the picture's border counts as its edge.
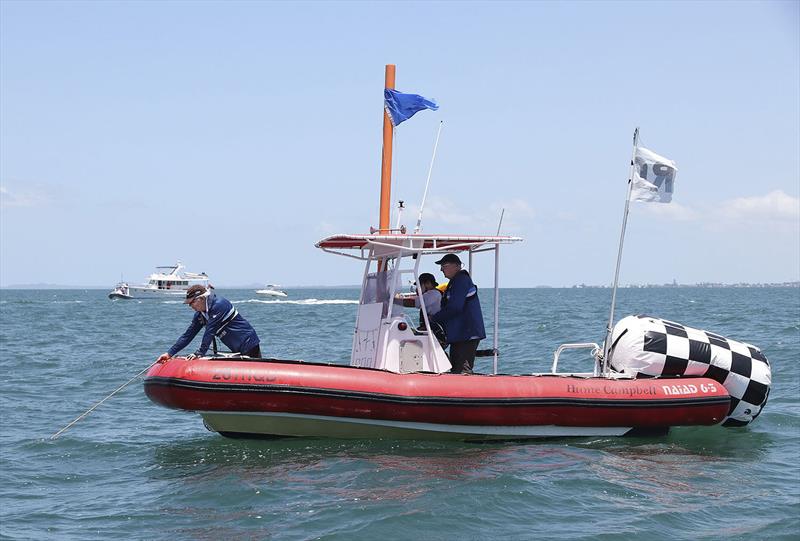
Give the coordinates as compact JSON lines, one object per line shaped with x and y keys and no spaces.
{"x":133,"y":470}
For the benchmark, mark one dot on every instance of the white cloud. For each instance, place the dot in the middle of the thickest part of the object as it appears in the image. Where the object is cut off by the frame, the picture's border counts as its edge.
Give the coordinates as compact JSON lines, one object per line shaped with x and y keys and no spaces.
{"x":14,"y":198}
{"x":443,"y":215}
{"x":774,"y":206}
{"x":442,"y":210}
{"x":671,"y":211}
{"x":326,"y":228}
{"x":518,"y":208}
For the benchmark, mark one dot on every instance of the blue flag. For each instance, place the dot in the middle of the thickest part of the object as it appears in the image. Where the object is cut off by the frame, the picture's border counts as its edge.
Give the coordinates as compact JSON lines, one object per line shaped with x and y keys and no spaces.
{"x":401,"y":107}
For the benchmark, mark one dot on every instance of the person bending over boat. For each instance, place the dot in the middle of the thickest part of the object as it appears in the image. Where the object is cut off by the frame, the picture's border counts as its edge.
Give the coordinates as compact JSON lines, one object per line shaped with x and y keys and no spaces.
{"x":220,"y":319}
{"x":460,"y":315}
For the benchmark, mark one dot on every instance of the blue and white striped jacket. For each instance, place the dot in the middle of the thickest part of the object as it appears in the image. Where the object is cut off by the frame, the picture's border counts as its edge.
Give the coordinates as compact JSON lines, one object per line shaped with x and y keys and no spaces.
{"x":222,"y":320}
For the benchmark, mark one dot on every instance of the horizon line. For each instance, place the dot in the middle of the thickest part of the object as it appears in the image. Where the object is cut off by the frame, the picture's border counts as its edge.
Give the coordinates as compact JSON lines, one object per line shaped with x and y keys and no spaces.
{"x":787,"y":283}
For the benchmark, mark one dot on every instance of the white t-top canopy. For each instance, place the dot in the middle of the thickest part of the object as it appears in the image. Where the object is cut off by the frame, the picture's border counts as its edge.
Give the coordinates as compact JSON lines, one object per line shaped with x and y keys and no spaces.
{"x":376,"y":322}
{"x":385,"y":244}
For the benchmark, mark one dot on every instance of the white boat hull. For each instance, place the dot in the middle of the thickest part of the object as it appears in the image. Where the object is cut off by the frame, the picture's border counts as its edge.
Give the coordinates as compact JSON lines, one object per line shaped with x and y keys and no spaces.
{"x":288,"y":424}
{"x":271,"y":293}
{"x":153,"y":293}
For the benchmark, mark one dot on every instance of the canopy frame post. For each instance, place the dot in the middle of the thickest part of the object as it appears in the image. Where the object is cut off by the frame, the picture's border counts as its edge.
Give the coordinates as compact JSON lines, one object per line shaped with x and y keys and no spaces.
{"x":496,"y":337}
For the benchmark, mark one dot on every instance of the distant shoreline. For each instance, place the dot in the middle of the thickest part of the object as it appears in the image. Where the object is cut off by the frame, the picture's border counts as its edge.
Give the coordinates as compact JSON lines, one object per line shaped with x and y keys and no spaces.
{"x":704,"y":285}
{"x":43,"y":287}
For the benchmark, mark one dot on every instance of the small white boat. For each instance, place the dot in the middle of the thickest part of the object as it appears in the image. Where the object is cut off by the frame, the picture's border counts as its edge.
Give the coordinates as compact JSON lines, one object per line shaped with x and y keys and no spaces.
{"x":121,"y":291}
{"x":172,"y":281}
{"x":271,"y":290}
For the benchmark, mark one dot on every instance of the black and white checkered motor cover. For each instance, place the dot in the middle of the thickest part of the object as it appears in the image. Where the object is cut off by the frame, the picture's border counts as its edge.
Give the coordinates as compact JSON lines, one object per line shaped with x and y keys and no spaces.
{"x":649,"y":346}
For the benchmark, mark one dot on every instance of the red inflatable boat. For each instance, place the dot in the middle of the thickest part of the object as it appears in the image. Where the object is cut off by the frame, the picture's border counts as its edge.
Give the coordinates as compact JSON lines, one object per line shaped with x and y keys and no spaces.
{"x":651,"y":375}
{"x":293,"y":398}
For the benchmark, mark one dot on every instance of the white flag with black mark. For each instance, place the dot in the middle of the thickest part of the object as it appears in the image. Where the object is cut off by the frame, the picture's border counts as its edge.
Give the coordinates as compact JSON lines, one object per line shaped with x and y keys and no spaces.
{"x":653,"y":177}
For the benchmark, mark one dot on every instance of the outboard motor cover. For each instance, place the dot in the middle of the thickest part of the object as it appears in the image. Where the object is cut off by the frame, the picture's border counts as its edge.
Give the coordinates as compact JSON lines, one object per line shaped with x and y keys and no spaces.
{"x":646,"y":346}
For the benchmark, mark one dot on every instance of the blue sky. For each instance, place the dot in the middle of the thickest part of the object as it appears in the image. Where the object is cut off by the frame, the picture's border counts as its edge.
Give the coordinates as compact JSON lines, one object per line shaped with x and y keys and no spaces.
{"x":233,"y":136}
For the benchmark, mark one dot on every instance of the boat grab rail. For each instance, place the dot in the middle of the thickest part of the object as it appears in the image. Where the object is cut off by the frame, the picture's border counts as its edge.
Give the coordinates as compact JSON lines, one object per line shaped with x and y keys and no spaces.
{"x":583,"y":345}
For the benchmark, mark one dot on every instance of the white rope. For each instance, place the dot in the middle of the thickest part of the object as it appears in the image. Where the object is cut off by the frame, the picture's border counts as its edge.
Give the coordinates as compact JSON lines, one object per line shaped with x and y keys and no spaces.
{"x":87,"y":412}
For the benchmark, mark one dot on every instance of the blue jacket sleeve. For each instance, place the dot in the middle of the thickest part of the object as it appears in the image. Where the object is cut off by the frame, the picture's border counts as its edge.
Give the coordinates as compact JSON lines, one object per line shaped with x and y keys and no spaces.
{"x":459,"y":287}
{"x":216,"y":315}
{"x":188,"y":336}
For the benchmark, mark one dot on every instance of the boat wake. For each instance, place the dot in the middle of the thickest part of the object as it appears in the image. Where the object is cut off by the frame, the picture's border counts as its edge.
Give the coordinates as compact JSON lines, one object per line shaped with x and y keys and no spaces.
{"x":298,"y":301}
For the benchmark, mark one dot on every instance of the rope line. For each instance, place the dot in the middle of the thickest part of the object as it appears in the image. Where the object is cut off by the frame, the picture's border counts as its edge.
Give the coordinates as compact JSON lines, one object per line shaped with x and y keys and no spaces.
{"x":90,"y":410}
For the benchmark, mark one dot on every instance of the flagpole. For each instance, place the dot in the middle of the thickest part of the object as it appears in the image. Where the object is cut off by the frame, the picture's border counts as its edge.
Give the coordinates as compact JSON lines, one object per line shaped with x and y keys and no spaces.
{"x":386,"y":161}
{"x":607,"y":342}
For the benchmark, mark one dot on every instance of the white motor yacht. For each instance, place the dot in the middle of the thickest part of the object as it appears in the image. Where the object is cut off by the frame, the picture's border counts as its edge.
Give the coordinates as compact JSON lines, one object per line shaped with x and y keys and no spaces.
{"x":168,"y":281}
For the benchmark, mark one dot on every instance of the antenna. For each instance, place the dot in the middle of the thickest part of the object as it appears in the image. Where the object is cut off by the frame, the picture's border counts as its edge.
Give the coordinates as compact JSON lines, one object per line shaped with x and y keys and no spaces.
{"x":502,"y":212}
{"x":418,"y":227}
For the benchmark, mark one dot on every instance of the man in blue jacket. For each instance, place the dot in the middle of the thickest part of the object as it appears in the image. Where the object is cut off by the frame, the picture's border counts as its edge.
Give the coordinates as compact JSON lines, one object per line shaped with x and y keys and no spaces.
{"x":220,"y":319}
{"x":460,"y":315}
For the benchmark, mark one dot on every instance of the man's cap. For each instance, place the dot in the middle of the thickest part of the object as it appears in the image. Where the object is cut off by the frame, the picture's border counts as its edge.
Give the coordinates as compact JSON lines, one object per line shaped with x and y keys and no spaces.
{"x":449,"y":258}
{"x":428,"y":277}
{"x":193,"y":292}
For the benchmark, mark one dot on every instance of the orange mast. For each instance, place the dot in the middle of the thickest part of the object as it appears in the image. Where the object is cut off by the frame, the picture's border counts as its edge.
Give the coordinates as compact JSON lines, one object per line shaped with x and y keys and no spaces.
{"x":386,"y":162}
